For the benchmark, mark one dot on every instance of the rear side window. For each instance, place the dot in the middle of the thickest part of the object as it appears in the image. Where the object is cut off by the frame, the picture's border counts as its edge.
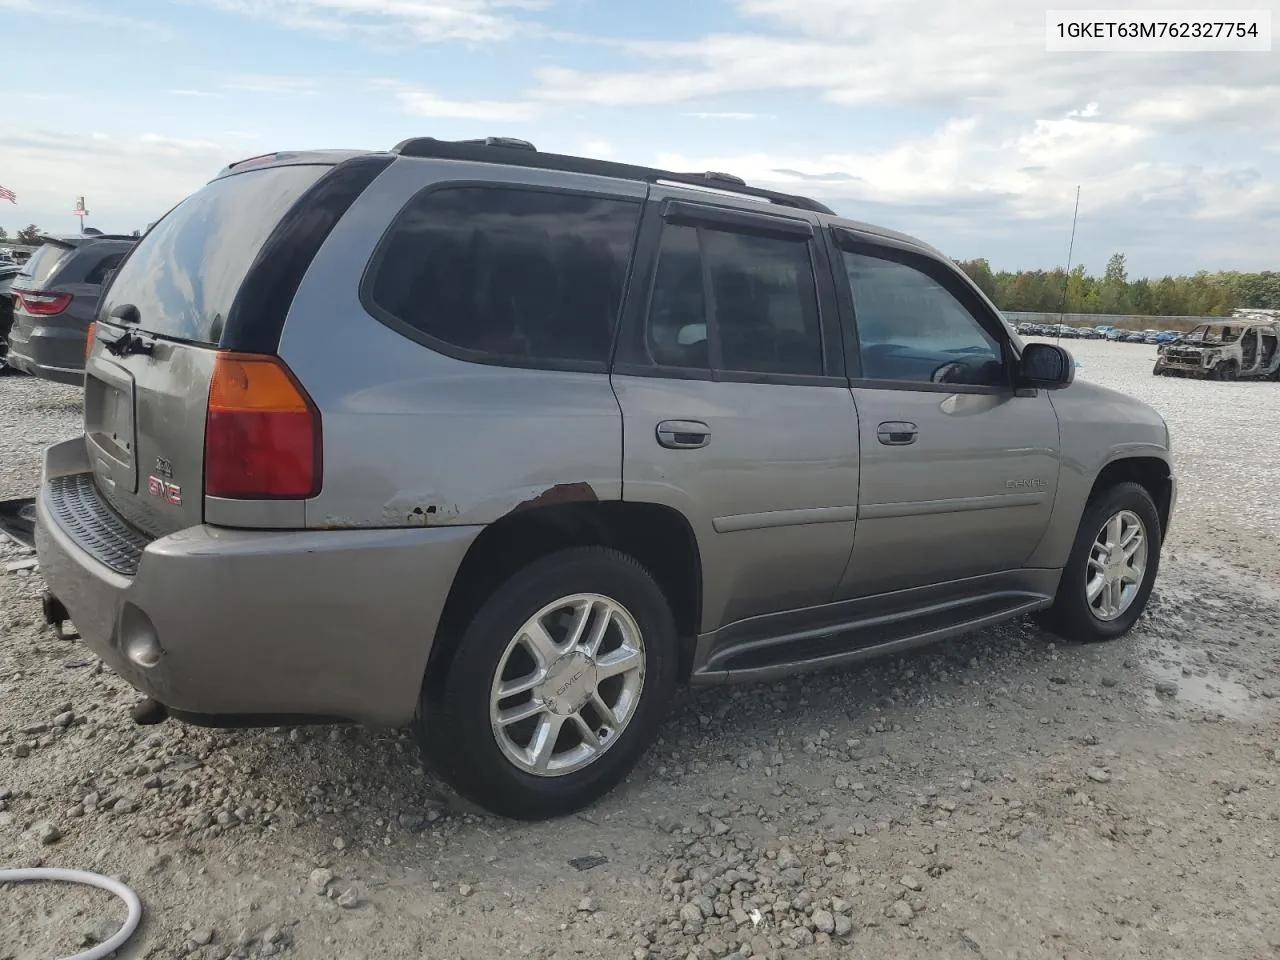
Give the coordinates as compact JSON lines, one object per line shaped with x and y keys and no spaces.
{"x":185,"y":273}
{"x":765,"y":303}
{"x":44,"y":263}
{"x":507,"y":274}
{"x":98,"y":274}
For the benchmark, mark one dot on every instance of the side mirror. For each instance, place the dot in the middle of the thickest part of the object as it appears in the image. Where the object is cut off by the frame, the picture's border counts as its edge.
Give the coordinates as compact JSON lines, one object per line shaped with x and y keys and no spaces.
{"x":1046,"y":365}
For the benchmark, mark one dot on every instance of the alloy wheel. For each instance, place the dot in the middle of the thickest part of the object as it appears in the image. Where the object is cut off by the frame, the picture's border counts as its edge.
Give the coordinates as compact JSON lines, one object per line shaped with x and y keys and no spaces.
{"x":567,"y":685}
{"x":1117,"y":565}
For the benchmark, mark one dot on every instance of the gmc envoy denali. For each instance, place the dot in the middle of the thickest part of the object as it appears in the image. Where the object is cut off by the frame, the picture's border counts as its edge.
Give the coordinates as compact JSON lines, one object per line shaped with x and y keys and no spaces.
{"x":504,"y":445}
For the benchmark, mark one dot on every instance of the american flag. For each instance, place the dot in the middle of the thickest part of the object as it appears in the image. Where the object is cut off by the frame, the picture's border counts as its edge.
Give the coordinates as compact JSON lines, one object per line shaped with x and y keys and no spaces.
{"x":7,"y":194}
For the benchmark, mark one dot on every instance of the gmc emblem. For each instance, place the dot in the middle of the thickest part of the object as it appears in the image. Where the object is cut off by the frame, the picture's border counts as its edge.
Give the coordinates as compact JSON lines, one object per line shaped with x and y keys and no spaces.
{"x":170,"y":493}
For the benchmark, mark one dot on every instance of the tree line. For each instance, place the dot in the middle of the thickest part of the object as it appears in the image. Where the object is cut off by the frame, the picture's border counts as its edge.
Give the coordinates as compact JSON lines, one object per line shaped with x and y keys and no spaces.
{"x":1203,"y":294}
{"x":28,"y":236}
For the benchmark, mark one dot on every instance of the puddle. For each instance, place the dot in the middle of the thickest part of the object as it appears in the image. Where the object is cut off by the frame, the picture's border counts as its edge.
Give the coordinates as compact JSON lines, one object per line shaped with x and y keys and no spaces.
{"x":1212,"y":694}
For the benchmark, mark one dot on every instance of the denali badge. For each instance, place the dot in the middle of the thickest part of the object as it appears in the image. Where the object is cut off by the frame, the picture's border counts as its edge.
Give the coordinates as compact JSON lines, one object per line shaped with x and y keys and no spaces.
{"x":1035,"y":484}
{"x":170,"y":493}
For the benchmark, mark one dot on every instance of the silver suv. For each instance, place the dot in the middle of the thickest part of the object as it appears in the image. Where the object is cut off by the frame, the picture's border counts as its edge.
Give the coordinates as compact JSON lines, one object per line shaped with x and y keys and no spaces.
{"x":505,"y":445}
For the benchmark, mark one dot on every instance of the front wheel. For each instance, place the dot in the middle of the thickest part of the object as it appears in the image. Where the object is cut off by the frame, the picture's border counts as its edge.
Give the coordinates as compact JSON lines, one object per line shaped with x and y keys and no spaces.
{"x":556,"y":687}
{"x":1111,"y":569}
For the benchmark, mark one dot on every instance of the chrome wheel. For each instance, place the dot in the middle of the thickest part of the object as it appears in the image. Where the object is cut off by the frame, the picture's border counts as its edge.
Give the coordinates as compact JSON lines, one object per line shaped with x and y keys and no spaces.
{"x":567,"y":685}
{"x":1117,"y":565}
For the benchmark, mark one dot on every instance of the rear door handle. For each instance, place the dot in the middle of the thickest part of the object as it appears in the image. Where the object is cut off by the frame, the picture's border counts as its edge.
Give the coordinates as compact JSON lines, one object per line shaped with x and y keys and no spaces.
{"x":683,"y":434}
{"x":897,"y":433}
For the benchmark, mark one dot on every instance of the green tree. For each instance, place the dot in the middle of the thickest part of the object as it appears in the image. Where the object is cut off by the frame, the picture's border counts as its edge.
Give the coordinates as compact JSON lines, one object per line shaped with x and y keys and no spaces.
{"x":1077,"y":289}
{"x":1141,"y":297}
{"x":1113,"y":297}
{"x":29,"y":235}
{"x":979,"y":272}
{"x":4,"y":234}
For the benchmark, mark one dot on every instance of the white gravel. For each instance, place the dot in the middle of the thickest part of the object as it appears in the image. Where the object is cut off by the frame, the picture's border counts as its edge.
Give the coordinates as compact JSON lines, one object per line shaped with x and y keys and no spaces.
{"x":33,"y":414}
{"x":1002,"y":796}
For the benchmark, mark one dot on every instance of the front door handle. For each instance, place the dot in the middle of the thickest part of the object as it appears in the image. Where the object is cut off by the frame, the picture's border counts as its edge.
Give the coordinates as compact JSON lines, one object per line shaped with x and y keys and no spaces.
{"x":897,"y":433}
{"x":683,"y":434}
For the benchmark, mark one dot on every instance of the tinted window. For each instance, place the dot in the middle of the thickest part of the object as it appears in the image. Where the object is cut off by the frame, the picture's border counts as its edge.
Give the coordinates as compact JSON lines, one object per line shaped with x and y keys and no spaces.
{"x":185,"y":273}
{"x":677,"y":327}
{"x":762,"y":288}
{"x":511,"y":273}
{"x":104,"y":266}
{"x":42,"y":265}
{"x":766,"y":304}
{"x":911,"y":328}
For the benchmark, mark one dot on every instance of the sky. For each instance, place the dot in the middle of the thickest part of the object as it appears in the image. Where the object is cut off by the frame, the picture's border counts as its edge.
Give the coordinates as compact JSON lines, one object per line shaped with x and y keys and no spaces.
{"x":946,"y":120}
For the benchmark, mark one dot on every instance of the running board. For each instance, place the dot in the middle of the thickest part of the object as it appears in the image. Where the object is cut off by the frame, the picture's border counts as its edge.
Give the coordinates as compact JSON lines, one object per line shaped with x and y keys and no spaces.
{"x":835,"y":644}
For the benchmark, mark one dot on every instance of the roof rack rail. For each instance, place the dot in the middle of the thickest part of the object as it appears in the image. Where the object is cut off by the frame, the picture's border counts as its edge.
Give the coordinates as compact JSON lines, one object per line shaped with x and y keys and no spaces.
{"x":522,"y":153}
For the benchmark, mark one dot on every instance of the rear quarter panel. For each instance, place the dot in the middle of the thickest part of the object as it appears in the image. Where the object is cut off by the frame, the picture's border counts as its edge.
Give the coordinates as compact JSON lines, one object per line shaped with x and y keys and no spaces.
{"x":1097,"y":427}
{"x":413,"y":437}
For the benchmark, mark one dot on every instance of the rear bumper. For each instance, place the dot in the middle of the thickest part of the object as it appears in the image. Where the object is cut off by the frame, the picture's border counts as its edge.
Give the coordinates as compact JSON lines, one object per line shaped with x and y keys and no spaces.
{"x":47,"y":350}
{"x":234,"y":623}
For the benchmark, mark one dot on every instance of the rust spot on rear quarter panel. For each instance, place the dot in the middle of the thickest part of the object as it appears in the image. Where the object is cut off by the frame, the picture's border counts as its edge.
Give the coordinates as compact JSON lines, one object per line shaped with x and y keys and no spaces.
{"x":560,"y":493}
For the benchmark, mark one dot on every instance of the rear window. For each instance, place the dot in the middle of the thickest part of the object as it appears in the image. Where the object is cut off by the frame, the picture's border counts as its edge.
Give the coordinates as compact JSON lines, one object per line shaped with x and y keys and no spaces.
{"x":504,"y":274}
{"x":43,"y":264}
{"x":186,"y":271}
{"x":104,"y":266}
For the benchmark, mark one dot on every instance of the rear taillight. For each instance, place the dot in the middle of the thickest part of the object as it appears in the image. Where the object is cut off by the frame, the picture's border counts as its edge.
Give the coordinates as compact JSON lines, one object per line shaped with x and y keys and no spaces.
{"x":88,"y":339}
{"x":262,"y":432}
{"x":40,"y":304}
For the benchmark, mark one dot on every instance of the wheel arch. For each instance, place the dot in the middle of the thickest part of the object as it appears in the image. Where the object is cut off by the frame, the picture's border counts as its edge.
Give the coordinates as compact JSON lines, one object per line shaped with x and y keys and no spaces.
{"x":1152,"y":473}
{"x":658,"y":537}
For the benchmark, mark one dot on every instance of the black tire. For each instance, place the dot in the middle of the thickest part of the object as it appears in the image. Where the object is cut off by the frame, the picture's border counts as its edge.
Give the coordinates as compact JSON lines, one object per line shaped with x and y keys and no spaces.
{"x":6,"y":324}
{"x":1071,"y":616}
{"x":453,"y":726}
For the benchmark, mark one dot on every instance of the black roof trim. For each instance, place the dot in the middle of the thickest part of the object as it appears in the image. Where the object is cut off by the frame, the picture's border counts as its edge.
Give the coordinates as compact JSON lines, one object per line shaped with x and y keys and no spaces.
{"x":521,"y":153}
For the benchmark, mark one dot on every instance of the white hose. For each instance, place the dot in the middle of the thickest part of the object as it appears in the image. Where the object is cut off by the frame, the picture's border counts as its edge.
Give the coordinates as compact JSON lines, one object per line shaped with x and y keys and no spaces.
{"x":57,"y":875}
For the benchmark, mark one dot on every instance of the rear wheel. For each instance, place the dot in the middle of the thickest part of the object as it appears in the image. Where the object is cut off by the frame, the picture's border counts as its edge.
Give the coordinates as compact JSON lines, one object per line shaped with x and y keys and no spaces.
{"x":556,"y":687}
{"x":1111,"y":569}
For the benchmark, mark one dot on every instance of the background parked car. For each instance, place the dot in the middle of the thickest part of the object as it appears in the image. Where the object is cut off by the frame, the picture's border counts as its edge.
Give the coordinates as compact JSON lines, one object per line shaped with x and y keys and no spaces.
{"x":8,"y":271}
{"x":55,"y":295}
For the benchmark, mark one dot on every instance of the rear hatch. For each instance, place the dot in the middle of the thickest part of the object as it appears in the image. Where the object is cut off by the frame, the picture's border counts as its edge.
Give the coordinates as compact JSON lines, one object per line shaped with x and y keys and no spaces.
{"x":28,"y":287}
{"x":159,"y":325}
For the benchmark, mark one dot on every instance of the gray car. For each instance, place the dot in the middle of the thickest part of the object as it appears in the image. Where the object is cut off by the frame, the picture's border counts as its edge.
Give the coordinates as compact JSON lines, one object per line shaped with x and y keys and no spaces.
{"x":505,"y":445}
{"x":54,"y":299}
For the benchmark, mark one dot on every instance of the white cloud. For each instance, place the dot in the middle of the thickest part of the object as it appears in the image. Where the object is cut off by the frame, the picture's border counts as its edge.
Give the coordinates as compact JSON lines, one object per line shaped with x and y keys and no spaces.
{"x":269,"y":83}
{"x":598,"y":149}
{"x":984,"y":175}
{"x":86,"y":13}
{"x":983,"y":55}
{"x":181,"y":92}
{"x":722,"y":115}
{"x":127,"y":181}
{"x":425,"y":103}
{"x":420,"y":20}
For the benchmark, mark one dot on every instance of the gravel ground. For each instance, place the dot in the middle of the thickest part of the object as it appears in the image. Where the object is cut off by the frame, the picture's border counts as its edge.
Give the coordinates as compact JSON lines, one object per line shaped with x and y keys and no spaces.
{"x":1003,"y":796}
